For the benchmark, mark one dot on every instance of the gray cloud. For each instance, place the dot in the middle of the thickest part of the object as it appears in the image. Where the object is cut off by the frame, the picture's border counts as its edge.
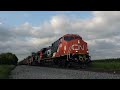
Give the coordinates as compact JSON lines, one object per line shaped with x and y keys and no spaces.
{"x":5,"y":33}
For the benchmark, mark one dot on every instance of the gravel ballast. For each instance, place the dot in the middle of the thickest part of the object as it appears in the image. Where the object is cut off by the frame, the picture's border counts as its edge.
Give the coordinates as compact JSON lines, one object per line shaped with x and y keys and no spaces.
{"x":36,"y":72}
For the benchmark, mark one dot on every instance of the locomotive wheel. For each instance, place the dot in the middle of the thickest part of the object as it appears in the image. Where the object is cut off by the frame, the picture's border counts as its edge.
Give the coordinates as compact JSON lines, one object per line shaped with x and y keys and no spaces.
{"x":33,"y":63}
{"x":68,"y":65}
{"x":60,"y":63}
{"x":42,"y":63}
{"x":64,"y":63}
{"x":83,"y":66}
{"x":55,"y":62}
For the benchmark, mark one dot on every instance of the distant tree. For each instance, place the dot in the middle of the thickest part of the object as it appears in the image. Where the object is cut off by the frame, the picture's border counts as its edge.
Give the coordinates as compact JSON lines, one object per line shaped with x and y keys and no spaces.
{"x":8,"y":58}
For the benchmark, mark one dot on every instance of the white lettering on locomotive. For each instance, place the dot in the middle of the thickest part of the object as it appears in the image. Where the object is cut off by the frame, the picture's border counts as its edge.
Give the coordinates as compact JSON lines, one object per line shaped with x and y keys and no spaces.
{"x":82,"y":47}
{"x":54,"y":54}
{"x":64,"y":47}
{"x":78,"y":47}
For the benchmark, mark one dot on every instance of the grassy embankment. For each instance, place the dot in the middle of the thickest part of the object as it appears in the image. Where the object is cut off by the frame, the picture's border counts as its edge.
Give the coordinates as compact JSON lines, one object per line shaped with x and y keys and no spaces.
{"x":106,"y":64}
{"x":5,"y":71}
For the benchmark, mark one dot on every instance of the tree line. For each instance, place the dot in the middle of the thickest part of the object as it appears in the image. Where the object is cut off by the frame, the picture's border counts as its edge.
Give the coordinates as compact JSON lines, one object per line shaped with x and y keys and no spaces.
{"x":8,"y":58}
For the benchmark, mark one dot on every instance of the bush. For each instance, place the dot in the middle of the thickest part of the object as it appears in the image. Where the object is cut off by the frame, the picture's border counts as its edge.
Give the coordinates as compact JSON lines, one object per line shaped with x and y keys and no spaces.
{"x":8,"y":58}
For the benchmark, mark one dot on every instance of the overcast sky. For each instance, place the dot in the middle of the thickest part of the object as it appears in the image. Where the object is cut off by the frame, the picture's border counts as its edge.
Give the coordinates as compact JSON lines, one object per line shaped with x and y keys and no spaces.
{"x":23,"y":32}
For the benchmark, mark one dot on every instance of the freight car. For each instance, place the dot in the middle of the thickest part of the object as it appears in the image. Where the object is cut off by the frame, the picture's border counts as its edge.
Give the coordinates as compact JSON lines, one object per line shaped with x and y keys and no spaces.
{"x":68,"y":50}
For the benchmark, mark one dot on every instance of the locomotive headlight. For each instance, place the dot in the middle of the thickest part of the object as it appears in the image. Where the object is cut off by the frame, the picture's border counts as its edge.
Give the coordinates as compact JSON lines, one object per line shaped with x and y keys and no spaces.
{"x":76,"y":51}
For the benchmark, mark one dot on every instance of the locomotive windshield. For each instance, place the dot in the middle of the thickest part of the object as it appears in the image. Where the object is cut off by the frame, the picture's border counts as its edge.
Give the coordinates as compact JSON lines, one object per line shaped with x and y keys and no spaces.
{"x":78,"y":37}
{"x":68,"y":38}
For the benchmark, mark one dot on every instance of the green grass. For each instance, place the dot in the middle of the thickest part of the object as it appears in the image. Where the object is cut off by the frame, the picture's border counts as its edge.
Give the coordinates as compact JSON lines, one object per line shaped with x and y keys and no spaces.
{"x":107,"y":65}
{"x":5,"y":71}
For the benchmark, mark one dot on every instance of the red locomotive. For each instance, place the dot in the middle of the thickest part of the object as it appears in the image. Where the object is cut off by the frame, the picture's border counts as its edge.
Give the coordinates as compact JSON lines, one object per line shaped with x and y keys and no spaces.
{"x":70,"y":48}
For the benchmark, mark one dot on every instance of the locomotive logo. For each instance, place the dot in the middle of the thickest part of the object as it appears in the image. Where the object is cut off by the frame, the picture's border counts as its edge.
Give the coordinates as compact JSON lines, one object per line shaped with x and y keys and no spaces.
{"x":49,"y":52}
{"x":77,"y":47}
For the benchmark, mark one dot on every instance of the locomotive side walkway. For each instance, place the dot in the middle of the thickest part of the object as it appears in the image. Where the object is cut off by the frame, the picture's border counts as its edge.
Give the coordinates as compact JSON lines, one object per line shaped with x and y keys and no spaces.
{"x":36,"y":72}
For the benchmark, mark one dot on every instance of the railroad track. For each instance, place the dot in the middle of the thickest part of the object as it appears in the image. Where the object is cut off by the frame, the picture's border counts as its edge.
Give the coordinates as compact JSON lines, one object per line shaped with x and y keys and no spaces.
{"x":76,"y":67}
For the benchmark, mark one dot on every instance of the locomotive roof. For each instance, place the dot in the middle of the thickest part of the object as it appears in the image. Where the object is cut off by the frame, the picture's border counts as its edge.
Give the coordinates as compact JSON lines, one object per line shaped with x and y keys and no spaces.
{"x":68,"y":35}
{"x":72,"y":35}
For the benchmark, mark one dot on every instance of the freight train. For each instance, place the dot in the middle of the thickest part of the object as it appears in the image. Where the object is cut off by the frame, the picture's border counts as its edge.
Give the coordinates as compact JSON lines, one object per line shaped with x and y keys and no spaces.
{"x":67,"y":50}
